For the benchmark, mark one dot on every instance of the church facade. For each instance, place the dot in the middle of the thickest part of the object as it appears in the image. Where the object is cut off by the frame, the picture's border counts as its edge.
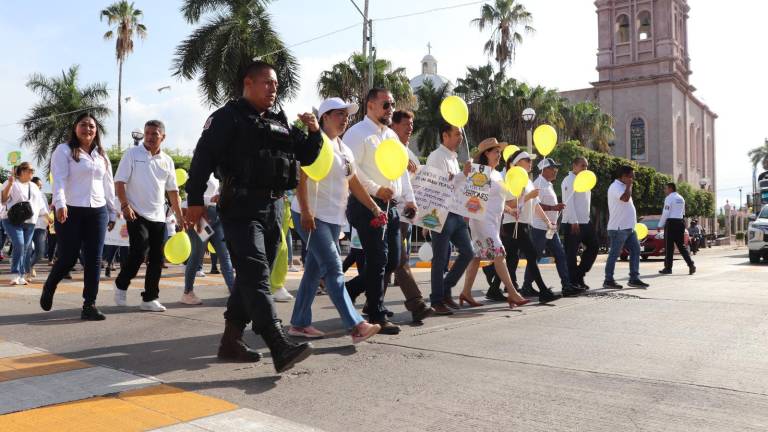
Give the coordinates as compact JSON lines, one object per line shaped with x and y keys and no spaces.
{"x":644,"y":72}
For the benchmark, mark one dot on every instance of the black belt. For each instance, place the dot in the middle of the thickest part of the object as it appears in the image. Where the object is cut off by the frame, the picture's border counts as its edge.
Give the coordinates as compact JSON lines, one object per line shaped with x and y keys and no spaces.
{"x":259,"y":193}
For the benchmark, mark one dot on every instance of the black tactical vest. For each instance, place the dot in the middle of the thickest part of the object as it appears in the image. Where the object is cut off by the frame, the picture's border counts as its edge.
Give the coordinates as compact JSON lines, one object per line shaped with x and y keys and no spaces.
{"x":261,"y":156}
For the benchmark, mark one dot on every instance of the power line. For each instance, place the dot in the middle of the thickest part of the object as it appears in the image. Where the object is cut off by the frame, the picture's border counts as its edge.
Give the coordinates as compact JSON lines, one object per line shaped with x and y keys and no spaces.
{"x":429,"y":11}
{"x":47,"y":117}
{"x":309,"y":40}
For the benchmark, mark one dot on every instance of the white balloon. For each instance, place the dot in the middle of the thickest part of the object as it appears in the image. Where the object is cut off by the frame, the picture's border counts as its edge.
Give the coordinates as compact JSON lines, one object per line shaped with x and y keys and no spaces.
{"x":425,"y":252}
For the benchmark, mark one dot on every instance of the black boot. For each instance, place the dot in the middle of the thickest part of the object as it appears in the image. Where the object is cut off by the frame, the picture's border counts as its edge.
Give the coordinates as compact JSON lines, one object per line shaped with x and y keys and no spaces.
{"x":494,"y":292}
{"x":90,"y":313}
{"x":285,"y":353}
{"x":232,"y":347}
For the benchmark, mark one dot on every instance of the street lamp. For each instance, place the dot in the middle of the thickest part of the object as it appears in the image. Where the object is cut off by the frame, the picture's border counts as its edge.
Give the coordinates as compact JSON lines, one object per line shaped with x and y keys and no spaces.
{"x":529,"y":115}
{"x":137,"y":136}
{"x":703,"y":183}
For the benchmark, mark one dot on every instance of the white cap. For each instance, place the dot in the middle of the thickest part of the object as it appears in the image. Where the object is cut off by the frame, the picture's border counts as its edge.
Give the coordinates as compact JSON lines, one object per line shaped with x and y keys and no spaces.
{"x":336,"y":104}
{"x":522,"y":155}
{"x":548,"y":162}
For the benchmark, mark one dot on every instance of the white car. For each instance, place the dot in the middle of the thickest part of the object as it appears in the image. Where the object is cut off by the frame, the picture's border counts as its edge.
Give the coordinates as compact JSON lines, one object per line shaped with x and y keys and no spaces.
{"x":757,"y":237}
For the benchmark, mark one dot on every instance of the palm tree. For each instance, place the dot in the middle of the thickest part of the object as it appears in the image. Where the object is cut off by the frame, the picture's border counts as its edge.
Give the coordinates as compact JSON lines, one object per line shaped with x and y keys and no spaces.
{"x":427,"y":121}
{"x":125,"y":19}
{"x":220,"y":50}
{"x":346,"y":80}
{"x":507,"y":18}
{"x":49,"y":121}
{"x":586,"y":123}
{"x":759,"y":155}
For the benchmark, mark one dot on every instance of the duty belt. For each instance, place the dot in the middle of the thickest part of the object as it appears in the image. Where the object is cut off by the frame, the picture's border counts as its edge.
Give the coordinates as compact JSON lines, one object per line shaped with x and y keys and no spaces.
{"x":260,"y":193}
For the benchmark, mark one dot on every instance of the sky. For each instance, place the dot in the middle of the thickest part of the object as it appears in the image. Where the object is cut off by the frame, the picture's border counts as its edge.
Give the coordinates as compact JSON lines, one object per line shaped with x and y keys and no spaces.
{"x":48,"y":36}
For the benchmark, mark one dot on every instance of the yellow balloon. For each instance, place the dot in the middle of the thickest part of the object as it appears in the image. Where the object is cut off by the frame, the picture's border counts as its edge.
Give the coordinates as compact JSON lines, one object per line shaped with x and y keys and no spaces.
{"x":545,"y":139}
{"x":50,"y":178}
{"x":210,"y":248}
{"x":585,"y":181}
{"x":509,"y":151}
{"x":322,"y":165}
{"x":516,"y":180}
{"x":181,"y":177}
{"x":455,"y":111}
{"x":391,"y":158}
{"x":178,"y":248}
{"x":641,"y":230}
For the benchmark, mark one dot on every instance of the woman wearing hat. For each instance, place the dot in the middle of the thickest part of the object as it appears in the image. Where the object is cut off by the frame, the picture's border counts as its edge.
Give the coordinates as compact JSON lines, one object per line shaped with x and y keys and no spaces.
{"x":515,"y":230}
{"x":485,"y":231}
{"x":319,"y":209}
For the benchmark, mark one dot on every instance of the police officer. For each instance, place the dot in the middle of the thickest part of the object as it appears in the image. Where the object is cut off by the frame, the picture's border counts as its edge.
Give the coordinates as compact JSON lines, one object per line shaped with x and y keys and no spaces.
{"x":674,"y":229}
{"x":256,"y":155}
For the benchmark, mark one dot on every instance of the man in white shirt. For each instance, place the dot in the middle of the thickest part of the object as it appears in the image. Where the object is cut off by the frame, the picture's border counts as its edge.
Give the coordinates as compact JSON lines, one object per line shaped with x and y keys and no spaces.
{"x":455,"y":229}
{"x":381,"y":243}
{"x":540,"y":230}
{"x":674,"y":229}
{"x":622,"y":218}
{"x":577,"y":226}
{"x":144,"y":176}
{"x":402,"y":124}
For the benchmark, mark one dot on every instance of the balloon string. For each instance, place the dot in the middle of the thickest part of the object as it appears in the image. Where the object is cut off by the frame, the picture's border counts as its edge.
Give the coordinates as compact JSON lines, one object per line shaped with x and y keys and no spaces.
{"x":384,"y":231}
{"x":309,"y":236}
{"x":466,"y":141}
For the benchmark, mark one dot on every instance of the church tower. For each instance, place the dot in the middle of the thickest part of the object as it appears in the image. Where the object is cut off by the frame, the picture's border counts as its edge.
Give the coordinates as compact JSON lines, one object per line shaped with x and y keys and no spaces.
{"x":640,"y":39}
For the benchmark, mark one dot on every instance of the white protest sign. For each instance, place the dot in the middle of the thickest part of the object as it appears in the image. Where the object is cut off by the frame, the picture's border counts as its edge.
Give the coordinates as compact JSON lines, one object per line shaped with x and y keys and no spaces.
{"x":471,"y":198}
{"x":119,"y":234}
{"x":434,"y":194}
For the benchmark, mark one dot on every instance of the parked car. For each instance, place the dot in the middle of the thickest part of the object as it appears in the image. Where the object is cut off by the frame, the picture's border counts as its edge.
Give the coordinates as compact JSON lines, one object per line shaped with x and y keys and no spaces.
{"x":654,"y":245}
{"x":757,"y":237}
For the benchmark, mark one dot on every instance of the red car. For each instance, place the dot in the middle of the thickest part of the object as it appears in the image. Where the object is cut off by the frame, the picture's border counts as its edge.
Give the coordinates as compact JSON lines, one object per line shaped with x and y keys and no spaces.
{"x":654,"y":244}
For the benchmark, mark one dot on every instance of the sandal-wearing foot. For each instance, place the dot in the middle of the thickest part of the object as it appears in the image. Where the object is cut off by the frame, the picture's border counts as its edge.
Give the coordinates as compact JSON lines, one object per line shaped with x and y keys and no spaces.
{"x":306,"y":332}
{"x":363,"y":331}
{"x":469,"y":300}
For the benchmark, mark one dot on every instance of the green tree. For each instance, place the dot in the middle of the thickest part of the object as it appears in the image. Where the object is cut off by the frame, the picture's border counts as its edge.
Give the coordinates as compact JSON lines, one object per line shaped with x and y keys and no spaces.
{"x":220,"y":50}
{"x":125,"y":19}
{"x":507,"y":18}
{"x":61,"y":100}
{"x":346,"y":80}
{"x":759,"y":155}
{"x":427,"y":121}
{"x":586,"y":123}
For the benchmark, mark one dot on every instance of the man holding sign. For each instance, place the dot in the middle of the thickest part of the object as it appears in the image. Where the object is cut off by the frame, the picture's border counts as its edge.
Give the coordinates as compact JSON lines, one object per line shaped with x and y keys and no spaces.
{"x":578,"y":229}
{"x":455,"y":229}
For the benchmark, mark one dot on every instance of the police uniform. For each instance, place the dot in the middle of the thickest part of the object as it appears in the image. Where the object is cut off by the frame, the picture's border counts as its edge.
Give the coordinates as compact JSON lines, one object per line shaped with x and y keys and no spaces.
{"x":256,"y":156}
{"x":674,"y":230}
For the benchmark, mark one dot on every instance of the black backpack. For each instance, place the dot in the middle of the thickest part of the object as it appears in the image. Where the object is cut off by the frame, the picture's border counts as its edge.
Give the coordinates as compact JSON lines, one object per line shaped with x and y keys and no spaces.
{"x":21,"y":211}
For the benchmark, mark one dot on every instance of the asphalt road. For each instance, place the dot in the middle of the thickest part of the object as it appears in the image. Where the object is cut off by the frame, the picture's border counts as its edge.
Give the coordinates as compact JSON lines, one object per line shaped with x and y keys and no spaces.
{"x":689,"y":353}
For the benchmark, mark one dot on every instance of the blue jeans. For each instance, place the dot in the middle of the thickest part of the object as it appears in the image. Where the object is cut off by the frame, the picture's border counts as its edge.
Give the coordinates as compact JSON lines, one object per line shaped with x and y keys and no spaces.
{"x":540,"y":242}
{"x":198,"y":250}
{"x":323,"y":261}
{"x":38,"y":249}
{"x":455,"y":231}
{"x":21,"y":238}
{"x":289,"y":242}
{"x":618,"y":240}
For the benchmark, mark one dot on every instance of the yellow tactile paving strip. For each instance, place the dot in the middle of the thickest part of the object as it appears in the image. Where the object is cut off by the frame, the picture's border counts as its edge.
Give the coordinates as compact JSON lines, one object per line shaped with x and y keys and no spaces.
{"x":35,"y":365}
{"x":138,"y":410}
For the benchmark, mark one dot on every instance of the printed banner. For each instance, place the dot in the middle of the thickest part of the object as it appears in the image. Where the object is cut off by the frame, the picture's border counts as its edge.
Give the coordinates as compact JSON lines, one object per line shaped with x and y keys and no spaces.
{"x":119,"y":234}
{"x":434,"y":195}
{"x":471,"y":198}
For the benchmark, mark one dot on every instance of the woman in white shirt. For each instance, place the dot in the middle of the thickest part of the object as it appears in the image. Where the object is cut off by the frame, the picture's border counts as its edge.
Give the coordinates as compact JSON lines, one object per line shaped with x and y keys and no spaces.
{"x":40,"y":235}
{"x":83,"y":195}
{"x":319,"y":209}
{"x":17,"y":190}
{"x":485,"y":232}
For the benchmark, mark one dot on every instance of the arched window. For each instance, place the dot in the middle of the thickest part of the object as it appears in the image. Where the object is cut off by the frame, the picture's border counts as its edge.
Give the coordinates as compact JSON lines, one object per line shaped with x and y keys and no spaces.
{"x":644,"y":30}
{"x":692,"y":144}
{"x":622,"y":29}
{"x":637,"y":139}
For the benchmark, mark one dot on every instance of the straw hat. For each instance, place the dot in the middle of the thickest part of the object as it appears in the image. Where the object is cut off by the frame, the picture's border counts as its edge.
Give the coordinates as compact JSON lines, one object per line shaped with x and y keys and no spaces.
{"x":486,"y":145}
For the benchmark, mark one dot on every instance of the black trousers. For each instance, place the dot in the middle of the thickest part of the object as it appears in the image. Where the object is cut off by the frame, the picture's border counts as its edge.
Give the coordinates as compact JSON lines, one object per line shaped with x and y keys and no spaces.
{"x":146,"y":239}
{"x":674,"y":232}
{"x":588,"y":238}
{"x":253,"y":244}
{"x":514,"y":245}
{"x":85,"y":228}
{"x":382,"y":255}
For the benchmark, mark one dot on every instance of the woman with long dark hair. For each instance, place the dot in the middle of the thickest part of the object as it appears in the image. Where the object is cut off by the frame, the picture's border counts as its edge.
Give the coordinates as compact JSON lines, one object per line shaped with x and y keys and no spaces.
{"x":83,"y":195}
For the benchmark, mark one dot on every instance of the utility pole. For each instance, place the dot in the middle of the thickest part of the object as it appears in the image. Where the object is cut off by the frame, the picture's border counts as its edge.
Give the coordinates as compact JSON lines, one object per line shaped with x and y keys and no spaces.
{"x":368,"y":54}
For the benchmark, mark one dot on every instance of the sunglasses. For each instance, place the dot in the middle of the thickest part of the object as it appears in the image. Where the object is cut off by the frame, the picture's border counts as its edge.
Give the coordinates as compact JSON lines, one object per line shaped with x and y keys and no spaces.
{"x":387,"y":105}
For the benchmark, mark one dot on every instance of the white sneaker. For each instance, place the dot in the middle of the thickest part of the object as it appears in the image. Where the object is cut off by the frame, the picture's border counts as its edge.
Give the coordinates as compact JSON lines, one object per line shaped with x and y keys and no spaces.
{"x":121,"y":297}
{"x":22,"y":281}
{"x":293,"y":269}
{"x":15,"y":281}
{"x":190,"y":299}
{"x":152,"y":306}
{"x":29,"y":277}
{"x":282,"y":295}
{"x":200,"y":273}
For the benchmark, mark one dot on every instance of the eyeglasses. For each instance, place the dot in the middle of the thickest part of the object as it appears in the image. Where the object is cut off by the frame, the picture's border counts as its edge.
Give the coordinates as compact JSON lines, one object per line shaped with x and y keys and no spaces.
{"x":388,"y":105}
